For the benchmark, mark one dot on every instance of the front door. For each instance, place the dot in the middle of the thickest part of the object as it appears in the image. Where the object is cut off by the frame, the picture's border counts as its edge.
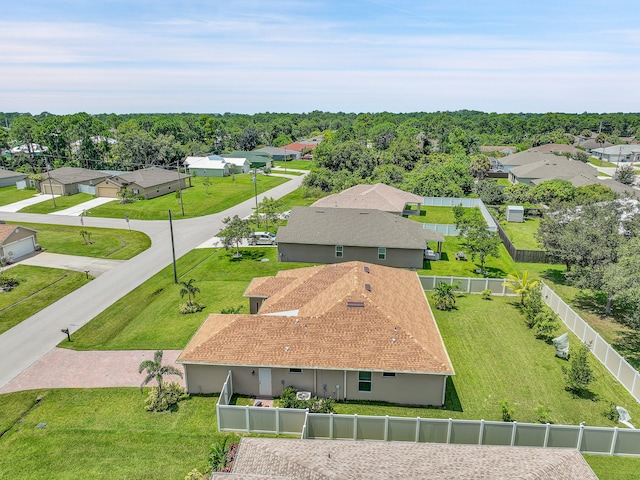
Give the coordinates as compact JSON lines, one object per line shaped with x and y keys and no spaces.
{"x":264,"y":382}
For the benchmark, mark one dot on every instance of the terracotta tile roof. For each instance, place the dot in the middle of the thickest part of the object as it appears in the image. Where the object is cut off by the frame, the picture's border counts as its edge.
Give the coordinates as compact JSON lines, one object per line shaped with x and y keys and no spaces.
{"x":393,"y":330}
{"x":280,"y":458}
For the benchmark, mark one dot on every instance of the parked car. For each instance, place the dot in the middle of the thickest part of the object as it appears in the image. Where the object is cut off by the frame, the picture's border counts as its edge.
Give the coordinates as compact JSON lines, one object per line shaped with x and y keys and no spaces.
{"x":262,"y":238}
{"x":285,"y":215}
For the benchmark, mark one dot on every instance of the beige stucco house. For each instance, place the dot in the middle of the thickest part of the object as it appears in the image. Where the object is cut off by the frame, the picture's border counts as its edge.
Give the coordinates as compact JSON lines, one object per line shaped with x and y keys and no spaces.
{"x":71,"y":180}
{"x":333,"y":235}
{"x":17,"y":241}
{"x":352,"y":331}
{"x":374,"y":197}
{"x":149,"y":182}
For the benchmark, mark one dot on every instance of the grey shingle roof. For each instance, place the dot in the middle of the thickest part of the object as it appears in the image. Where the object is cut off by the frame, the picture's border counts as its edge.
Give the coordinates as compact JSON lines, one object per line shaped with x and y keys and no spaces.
{"x":279,"y":458}
{"x":9,"y":173}
{"x":148,"y":177}
{"x":69,"y":175}
{"x":354,"y":227}
{"x":555,"y":167}
{"x":377,"y":197}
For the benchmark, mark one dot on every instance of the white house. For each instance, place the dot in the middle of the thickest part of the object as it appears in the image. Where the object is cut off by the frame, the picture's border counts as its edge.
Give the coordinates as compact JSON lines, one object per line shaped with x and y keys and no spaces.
{"x":618,"y":153}
{"x":211,"y":166}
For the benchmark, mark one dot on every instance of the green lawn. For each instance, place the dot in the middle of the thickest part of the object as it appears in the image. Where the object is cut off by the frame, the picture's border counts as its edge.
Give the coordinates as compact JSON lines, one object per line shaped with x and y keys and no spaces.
{"x":103,"y":433}
{"x":614,"y":468}
{"x":301,"y":197}
{"x":503,"y":182}
{"x":496,"y":357}
{"x":449,"y":266}
{"x":61,"y":203}
{"x":39,"y":287}
{"x":149,"y":317}
{"x":12,"y":194}
{"x":295,"y":164}
{"x":223,"y":193}
{"x":108,"y":243}
{"x":523,"y":235}
{"x":442,"y":215}
{"x":600,"y":163}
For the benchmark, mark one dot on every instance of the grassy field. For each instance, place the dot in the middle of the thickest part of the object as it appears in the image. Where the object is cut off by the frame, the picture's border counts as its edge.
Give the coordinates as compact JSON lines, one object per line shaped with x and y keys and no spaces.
{"x":223,"y":193}
{"x":448,"y":265}
{"x":600,"y":163}
{"x":523,"y":235}
{"x":12,"y":194}
{"x":149,"y":317}
{"x":103,"y":433}
{"x":443,"y":215}
{"x":497,"y":357}
{"x":299,"y":198}
{"x":108,"y":243}
{"x":39,"y":287}
{"x":62,"y":203}
{"x":295,"y":164}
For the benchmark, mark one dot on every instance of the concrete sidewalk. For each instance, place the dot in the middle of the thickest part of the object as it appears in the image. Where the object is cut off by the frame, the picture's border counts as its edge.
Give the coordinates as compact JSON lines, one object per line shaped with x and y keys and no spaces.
{"x":16,"y":206}
{"x":63,"y":368}
{"x":77,"y":210}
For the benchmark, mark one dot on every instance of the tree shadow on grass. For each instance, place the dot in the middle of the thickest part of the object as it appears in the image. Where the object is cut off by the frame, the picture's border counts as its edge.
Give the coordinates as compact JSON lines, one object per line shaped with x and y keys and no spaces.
{"x":247,"y":255}
{"x":493,"y":272}
{"x":554,"y":275}
{"x":628,"y":345}
{"x":595,"y":302}
{"x":583,"y":394}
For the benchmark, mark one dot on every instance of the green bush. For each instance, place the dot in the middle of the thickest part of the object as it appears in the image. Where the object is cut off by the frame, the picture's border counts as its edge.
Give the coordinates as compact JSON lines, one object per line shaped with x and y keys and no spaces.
{"x":191,"y":307}
{"x":546,"y":325}
{"x":507,"y":411}
{"x":486,"y":294}
{"x":578,"y":374}
{"x":315,"y":405}
{"x":8,"y":282}
{"x":611,"y":412}
{"x":167,"y":399}
{"x":542,"y":413}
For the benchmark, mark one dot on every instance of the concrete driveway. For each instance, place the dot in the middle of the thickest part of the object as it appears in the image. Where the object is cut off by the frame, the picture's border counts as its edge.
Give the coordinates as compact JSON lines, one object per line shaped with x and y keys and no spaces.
{"x":77,"y":210}
{"x":16,"y":206}
{"x":95,"y":266}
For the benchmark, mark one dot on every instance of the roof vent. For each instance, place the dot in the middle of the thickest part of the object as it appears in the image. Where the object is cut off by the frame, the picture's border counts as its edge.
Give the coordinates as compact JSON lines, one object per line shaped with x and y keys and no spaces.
{"x":366,"y":269}
{"x":393,"y":340}
{"x":367,"y":287}
{"x":355,"y":304}
{"x":286,"y":349}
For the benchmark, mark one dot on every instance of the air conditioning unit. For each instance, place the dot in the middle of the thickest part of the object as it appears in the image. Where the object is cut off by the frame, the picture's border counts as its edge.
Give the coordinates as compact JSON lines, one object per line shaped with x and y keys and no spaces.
{"x":303,"y":395}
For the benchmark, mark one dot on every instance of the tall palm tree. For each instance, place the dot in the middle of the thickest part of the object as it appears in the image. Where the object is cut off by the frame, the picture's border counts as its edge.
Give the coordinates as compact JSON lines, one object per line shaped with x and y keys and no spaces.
{"x":521,"y":285}
{"x":156,"y":370}
{"x":189,"y":289}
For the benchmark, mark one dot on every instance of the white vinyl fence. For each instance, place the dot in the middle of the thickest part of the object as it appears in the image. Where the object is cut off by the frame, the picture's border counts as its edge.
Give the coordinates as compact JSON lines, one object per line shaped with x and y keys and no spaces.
{"x":453,"y":202}
{"x":605,"y":353}
{"x":468,"y":285}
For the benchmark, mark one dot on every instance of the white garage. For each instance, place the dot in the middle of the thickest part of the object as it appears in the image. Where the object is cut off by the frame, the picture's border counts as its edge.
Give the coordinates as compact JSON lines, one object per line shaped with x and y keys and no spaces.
{"x":17,"y":241}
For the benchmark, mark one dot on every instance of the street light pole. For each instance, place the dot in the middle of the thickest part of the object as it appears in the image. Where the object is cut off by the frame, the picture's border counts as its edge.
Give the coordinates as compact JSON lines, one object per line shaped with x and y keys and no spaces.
{"x":51,"y":188}
{"x":255,"y":188}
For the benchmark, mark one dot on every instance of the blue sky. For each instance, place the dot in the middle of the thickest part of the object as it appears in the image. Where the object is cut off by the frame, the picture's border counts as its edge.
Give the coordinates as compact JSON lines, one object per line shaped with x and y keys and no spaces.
{"x":66,"y":56}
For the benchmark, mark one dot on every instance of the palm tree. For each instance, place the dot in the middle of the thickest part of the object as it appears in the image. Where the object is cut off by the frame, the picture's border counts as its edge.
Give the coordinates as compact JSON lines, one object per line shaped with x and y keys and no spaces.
{"x":521,"y":285}
{"x":444,"y":295}
{"x":189,"y":289}
{"x":156,"y":370}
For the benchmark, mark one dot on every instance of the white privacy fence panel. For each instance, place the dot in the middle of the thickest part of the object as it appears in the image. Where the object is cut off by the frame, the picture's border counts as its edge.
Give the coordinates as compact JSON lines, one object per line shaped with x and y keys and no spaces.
{"x":448,"y":230}
{"x":465,"y":202}
{"x":468,"y":285}
{"x":605,"y":353}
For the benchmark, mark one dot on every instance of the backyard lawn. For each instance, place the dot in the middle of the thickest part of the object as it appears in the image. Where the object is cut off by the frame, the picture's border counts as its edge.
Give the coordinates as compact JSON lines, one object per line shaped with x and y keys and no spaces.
{"x":301,"y":197}
{"x":449,"y":266}
{"x":223,"y":193}
{"x":62,"y":203}
{"x":442,"y":215}
{"x":103,"y":433}
{"x":496,"y":357}
{"x":12,"y":194}
{"x":523,"y":235}
{"x":149,"y":317}
{"x":39,"y":287}
{"x":295,"y":164}
{"x":108,"y":243}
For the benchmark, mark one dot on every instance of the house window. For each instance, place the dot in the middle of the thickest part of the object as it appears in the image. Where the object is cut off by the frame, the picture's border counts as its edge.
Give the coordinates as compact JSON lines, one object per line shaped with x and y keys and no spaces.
{"x":382,"y":253}
{"x":295,"y":370}
{"x":136,"y":191}
{"x":364,"y":381}
{"x":388,"y":374}
{"x":339,"y":251}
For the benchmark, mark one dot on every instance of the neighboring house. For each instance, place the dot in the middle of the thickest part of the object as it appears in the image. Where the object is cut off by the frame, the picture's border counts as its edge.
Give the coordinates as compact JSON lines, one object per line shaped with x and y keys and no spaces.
{"x":277,"y":153}
{"x":238,"y":164}
{"x":305,"y":148}
{"x":256,"y":160}
{"x":211,"y":166}
{"x":148,"y":182}
{"x":557,"y":148}
{"x":503,"y":149}
{"x":590,"y":143}
{"x":71,"y":180}
{"x":553,"y":167}
{"x":333,"y":235}
{"x":9,"y":178}
{"x":286,"y":458}
{"x":353,"y":331}
{"x":375,"y":197}
{"x":17,"y":241}
{"x":618,"y":153}
{"x":29,"y":148}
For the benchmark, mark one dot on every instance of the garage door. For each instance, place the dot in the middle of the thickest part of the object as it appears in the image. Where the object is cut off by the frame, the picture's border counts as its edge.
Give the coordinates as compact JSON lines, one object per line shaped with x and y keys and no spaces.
{"x":46,"y":189}
{"x":109,"y":192}
{"x":20,"y":248}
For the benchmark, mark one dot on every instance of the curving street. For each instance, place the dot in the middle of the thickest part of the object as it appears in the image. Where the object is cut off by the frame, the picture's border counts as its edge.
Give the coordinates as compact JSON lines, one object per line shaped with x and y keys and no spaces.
{"x":31,"y":339}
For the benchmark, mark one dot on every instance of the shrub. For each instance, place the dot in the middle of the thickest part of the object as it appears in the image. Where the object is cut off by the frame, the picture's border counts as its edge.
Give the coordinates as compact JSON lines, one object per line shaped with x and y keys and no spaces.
{"x":486,"y":294}
{"x":542,"y":413}
{"x":546,"y":325}
{"x":8,"y":282}
{"x":167,"y":399}
{"x":611,"y":412}
{"x":218,"y":454}
{"x":578,"y":375}
{"x":191,"y":307}
{"x":507,"y":411}
{"x":194,"y":475}
{"x":532,"y":306}
{"x":288,"y":399}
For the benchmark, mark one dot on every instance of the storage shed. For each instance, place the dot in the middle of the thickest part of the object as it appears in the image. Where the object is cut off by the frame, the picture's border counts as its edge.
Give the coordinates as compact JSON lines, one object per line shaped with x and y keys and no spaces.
{"x":515,"y":213}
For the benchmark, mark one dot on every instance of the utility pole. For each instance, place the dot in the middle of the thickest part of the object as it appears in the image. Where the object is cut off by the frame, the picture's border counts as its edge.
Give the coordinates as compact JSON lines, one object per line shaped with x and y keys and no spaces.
{"x":180,"y":186}
{"x":50,"y":187}
{"x":255,"y":188}
{"x":173,"y":250}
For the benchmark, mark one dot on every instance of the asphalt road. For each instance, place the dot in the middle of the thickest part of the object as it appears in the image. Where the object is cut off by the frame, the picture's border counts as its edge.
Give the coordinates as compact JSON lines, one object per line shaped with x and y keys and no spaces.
{"x":28,"y":341}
